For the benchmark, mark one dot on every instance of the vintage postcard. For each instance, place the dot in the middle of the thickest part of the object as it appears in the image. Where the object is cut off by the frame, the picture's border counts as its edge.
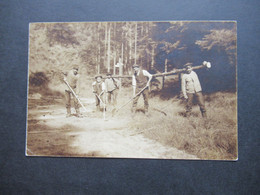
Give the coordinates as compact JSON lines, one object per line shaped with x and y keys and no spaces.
{"x":160,"y":90}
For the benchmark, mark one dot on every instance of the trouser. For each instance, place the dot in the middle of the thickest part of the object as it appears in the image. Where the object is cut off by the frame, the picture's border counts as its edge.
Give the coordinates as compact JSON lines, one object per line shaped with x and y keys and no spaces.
{"x":112,"y":96}
{"x":145,"y":94}
{"x":98,"y":102}
{"x":68,"y":97}
{"x":200,"y":100}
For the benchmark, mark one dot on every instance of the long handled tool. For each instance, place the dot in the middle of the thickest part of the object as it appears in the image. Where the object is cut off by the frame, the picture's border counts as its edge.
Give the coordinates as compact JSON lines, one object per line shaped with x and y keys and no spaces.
{"x":75,"y":95}
{"x":104,"y":106}
{"x":114,"y":111}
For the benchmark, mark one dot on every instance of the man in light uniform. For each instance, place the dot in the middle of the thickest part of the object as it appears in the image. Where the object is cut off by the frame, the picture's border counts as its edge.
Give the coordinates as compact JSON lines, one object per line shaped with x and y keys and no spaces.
{"x":98,"y":88}
{"x":141,"y":79}
{"x":111,"y":87}
{"x":72,"y":78}
{"x":191,"y":87}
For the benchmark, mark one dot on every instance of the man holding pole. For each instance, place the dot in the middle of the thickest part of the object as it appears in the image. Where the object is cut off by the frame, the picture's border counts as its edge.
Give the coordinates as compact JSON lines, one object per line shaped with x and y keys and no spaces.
{"x":191,"y":87}
{"x":141,"y":81}
{"x":98,"y":88}
{"x":71,"y":79}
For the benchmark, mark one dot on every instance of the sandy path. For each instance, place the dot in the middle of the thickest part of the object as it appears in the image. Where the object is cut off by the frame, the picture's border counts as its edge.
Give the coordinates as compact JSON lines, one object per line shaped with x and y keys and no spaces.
{"x":96,"y":137}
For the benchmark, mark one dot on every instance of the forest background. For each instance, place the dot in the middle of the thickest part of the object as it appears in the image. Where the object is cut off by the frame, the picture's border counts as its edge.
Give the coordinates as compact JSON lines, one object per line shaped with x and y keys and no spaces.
{"x":100,"y":47}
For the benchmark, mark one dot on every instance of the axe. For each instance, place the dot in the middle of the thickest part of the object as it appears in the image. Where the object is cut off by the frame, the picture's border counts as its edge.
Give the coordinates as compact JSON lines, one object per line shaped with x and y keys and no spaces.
{"x":114,"y":111}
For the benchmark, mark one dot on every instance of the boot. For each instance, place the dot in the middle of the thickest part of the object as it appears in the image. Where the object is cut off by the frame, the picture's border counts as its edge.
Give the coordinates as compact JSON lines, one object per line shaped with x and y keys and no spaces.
{"x":146,"y":112}
{"x":187,"y":114}
{"x":133,"y":110}
{"x":78,"y":113}
{"x":204,"y":114}
{"x":68,"y":112}
{"x":98,"y":108}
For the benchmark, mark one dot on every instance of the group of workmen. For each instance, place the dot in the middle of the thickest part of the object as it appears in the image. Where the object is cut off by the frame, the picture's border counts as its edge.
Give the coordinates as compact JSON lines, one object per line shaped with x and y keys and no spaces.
{"x":106,"y":91}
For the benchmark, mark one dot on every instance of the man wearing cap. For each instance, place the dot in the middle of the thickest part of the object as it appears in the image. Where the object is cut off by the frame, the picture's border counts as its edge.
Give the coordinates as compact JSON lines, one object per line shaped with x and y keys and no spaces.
{"x":98,"y":88}
{"x":111,"y":88}
{"x":191,"y":87}
{"x":141,"y":80}
{"x":72,"y":78}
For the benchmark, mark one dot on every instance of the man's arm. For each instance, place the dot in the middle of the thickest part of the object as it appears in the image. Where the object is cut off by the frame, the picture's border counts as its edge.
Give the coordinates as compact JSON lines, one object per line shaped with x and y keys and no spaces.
{"x":183,"y":86}
{"x":106,"y":85}
{"x":134,"y":85}
{"x":77,"y":91}
{"x":93,"y":85}
{"x":103,"y":87}
{"x":147,"y":74}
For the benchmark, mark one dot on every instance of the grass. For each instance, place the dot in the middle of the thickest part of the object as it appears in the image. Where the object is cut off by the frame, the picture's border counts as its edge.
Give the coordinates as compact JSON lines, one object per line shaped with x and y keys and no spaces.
{"x":213,"y":138}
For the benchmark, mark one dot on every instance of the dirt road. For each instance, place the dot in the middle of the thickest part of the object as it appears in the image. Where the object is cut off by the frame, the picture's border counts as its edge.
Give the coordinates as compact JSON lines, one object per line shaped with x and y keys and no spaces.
{"x":50,"y":133}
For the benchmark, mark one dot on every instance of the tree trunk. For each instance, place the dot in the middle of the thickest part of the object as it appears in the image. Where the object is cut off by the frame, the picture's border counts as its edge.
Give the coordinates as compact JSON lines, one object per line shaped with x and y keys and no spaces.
{"x":153,"y":55}
{"x":108,"y":51}
{"x":135,"y":40}
{"x":105,"y":46}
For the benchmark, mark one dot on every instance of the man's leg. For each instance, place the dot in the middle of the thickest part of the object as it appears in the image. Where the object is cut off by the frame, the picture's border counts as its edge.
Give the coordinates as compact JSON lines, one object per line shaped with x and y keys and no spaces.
{"x":67,"y":102}
{"x":115,"y":93}
{"x":97,"y":104}
{"x":201,"y":103}
{"x":109,"y":97}
{"x":146,"y":97}
{"x":135,"y":103}
{"x":189,"y":104}
{"x":76,"y":106}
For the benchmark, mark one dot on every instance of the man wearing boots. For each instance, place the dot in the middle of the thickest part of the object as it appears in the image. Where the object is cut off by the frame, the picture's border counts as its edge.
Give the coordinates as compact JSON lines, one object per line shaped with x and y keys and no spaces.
{"x":72,"y":78}
{"x":111,"y":86}
{"x":141,"y":80}
{"x":98,"y":88}
{"x":191,"y":88}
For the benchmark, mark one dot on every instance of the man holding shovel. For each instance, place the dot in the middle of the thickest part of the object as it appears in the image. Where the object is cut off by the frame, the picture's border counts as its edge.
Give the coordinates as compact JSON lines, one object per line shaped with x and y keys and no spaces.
{"x":71,"y":78}
{"x":141,"y":81}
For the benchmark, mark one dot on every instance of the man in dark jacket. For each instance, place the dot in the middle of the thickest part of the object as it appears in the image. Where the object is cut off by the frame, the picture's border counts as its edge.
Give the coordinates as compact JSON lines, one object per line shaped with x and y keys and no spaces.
{"x":141,"y":80}
{"x":72,"y":78}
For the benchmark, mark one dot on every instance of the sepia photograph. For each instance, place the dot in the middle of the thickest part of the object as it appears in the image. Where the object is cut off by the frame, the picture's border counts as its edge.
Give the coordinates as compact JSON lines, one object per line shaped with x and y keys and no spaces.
{"x":151,"y":90}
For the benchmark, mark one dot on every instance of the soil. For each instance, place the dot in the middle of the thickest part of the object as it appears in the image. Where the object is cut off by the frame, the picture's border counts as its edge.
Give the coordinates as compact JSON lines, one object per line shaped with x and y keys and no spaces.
{"x":50,"y":133}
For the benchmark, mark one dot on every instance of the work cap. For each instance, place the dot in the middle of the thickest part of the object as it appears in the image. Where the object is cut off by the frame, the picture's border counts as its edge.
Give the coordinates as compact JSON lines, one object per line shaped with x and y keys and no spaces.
{"x":75,"y":68}
{"x":109,"y":74}
{"x":99,"y":75}
{"x":135,"y":66}
{"x":187,"y":64}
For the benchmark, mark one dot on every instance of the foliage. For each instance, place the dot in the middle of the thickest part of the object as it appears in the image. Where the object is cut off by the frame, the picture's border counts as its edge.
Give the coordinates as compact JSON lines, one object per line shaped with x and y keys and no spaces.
{"x":157,"y":46}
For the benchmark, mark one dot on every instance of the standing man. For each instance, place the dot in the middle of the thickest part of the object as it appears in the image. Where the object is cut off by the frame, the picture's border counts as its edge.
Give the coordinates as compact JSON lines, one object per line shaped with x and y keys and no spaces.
{"x":191,"y":87}
{"x":98,"y":88}
{"x":141,"y":80}
{"x":72,"y":78}
{"x":111,"y":88}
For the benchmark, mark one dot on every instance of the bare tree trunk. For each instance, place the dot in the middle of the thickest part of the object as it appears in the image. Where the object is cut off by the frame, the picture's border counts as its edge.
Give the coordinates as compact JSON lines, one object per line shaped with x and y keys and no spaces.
{"x":165,"y":65}
{"x":108,"y":51}
{"x":114,"y":67}
{"x":135,"y":40}
{"x":153,"y":55}
{"x":99,"y":49}
{"x":105,"y":46}
{"x":130,"y":44}
{"x":165,"y":70}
